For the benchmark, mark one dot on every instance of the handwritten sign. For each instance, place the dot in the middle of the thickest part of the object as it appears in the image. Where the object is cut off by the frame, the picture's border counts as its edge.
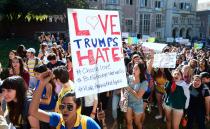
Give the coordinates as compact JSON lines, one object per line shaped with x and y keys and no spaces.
{"x":157,"y":47}
{"x":96,"y":51}
{"x":165,"y":60}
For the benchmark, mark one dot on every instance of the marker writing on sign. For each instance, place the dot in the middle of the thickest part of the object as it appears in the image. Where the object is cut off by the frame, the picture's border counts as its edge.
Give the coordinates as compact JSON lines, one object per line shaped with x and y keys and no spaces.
{"x":80,"y":32}
{"x":101,"y":54}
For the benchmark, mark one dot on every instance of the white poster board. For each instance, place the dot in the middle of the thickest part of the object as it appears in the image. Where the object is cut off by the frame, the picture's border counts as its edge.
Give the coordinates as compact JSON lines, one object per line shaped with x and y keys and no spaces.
{"x":164,"y":60}
{"x":157,"y":47}
{"x":125,"y":34}
{"x":96,"y":47}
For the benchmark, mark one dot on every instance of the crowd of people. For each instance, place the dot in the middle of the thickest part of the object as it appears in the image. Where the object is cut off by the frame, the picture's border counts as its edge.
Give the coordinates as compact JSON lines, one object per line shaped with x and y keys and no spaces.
{"x":38,"y":91}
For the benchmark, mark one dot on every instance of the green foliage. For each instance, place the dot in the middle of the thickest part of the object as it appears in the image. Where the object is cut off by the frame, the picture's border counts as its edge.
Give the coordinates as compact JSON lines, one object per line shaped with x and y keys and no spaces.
{"x":7,"y":45}
{"x":23,"y":9}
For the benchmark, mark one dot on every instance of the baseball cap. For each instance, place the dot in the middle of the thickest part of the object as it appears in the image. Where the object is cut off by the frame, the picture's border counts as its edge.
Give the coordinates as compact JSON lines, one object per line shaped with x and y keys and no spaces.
{"x":205,"y":74}
{"x":32,"y":50}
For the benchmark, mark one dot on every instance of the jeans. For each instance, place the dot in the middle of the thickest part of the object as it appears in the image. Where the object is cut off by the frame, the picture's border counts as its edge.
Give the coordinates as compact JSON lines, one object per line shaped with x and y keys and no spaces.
{"x":115,"y":103}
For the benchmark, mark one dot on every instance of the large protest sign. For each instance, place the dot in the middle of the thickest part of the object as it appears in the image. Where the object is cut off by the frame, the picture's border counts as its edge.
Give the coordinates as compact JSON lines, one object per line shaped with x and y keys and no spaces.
{"x":157,"y":47}
{"x":164,"y":60}
{"x":96,"y":51}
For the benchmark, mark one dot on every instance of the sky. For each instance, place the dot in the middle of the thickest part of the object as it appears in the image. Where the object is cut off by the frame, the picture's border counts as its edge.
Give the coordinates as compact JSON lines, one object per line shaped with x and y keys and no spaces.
{"x":200,"y":1}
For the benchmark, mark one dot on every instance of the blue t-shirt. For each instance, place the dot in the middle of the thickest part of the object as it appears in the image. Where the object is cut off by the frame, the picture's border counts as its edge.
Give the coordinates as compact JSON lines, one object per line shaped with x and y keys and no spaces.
{"x":55,"y":119}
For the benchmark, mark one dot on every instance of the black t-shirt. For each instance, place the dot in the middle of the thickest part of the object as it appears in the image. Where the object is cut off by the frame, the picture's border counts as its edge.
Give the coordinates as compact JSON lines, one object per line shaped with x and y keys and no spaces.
{"x":197,"y":97}
{"x":58,"y":63}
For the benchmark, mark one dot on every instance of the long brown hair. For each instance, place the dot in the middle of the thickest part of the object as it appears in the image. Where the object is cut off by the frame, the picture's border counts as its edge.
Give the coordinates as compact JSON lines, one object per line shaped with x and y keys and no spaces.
{"x":15,"y":109}
{"x":22,"y":65}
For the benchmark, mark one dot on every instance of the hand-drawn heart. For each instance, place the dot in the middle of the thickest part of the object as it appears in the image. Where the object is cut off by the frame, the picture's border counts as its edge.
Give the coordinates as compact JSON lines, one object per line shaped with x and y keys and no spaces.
{"x":92,"y":21}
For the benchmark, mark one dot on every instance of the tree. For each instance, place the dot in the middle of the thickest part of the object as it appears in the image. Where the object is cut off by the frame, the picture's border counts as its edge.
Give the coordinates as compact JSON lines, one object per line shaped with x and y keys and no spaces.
{"x":29,"y":9}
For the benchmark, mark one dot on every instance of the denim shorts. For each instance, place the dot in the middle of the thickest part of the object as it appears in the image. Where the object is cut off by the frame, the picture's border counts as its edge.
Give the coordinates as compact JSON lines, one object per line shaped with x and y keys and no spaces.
{"x":137,"y":107}
{"x":170,"y":108}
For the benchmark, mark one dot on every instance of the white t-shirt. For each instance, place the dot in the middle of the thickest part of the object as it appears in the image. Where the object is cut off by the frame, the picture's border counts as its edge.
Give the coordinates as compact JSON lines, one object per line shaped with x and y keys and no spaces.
{"x":89,"y":100}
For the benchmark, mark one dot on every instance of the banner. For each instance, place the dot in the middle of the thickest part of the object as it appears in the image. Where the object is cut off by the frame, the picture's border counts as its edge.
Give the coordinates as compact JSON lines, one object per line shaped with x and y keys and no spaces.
{"x":157,"y":47}
{"x":96,"y":47}
{"x":164,"y":60}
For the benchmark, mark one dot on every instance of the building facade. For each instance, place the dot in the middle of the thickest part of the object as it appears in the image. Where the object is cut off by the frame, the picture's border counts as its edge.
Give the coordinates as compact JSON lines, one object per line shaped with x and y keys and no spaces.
{"x":204,"y":29}
{"x":157,"y":18}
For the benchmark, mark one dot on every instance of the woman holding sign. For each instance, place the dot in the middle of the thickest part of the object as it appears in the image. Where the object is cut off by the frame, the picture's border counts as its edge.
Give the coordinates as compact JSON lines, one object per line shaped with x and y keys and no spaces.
{"x":137,"y":87}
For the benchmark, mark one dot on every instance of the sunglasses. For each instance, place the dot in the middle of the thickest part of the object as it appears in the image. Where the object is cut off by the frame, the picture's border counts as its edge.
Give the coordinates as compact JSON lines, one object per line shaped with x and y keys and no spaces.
{"x":64,"y":106}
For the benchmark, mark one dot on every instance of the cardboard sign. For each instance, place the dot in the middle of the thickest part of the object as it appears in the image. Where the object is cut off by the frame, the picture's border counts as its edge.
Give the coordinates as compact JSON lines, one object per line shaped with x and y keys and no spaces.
{"x":157,"y":47}
{"x":96,"y":51}
{"x":164,"y":60}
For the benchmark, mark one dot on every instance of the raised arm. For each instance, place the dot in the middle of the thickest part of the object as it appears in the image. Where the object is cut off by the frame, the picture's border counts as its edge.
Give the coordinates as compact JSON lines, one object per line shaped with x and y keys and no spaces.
{"x":168,"y":74}
{"x":150,"y":62}
{"x":34,"y":106}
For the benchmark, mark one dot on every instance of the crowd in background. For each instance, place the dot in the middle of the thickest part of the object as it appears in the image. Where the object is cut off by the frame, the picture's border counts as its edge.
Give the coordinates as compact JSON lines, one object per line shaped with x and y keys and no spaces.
{"x":37,"y":89}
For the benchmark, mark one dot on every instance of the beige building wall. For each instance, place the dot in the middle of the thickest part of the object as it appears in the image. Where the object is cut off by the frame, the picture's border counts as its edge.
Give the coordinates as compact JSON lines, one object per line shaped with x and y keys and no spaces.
{"x":159,"y":18}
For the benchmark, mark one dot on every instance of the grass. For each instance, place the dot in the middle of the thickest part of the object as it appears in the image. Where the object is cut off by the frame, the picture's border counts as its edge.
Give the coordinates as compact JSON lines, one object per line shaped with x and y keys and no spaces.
{"x":9,"y":44}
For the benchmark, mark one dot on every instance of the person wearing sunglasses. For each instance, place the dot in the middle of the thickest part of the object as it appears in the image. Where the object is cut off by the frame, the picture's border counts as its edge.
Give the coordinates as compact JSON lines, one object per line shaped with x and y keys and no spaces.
{"x":68,"y":118}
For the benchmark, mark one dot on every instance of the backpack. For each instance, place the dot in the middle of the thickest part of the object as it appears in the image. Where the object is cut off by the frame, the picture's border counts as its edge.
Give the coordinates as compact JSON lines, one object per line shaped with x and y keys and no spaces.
{"x":83,"y":122}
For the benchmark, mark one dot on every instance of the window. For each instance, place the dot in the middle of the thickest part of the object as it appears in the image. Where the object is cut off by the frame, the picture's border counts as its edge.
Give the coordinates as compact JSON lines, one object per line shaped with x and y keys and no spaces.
{"x":182,"y":20}
{"x":112,"y":1}
{"x":158,"y":20}
{"x":144,"y":26}
{"x":174,"y":4}
{"x":185,"y":6}
{"x":143,"y":3}
{"x":175,"y":20}
{"x":130,"y":2}
{"x":158,"y":34}
{"x":181,"y":6}
{"x":129,"y":25}
{"x":157,"y":4}
{"x":189,"y":21}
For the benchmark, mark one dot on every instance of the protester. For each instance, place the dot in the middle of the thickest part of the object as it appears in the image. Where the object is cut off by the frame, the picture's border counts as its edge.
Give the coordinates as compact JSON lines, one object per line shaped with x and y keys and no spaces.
{"x":160,"y":80}
{"x":70,"y":67}
{"x":53,"y":62}
{"x":198,"y":109}
{"x":31,"y":62}
{"x":12,"y":54}
{"x":62,"y":78}
{"x":176,"y":99}
{"x":21,"y":51}
{"x":18,"y":68}
{"x":137,"y":87}
{"x":49,"y":97}
{"x":69,"y":104}
{"x":43,"y":53}
{"x":89,"y":105}
{"x":14,"y":93}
